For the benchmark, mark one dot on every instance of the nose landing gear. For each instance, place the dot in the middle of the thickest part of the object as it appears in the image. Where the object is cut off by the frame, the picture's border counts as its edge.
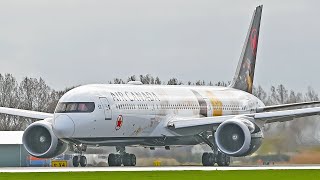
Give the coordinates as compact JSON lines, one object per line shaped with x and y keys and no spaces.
{"x":79,"y":159}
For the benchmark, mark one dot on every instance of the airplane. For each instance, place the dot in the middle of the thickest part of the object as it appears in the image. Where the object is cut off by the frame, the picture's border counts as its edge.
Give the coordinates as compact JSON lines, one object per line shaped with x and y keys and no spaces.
{"x":228,"y":119}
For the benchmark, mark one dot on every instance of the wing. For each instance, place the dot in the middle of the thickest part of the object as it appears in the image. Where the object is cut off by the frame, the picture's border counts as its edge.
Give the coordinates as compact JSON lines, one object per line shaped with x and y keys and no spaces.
{"x":286,"y":115}
{"x":282,"y":106}
{"x":25,"y":113}
{"x":262,"y":118}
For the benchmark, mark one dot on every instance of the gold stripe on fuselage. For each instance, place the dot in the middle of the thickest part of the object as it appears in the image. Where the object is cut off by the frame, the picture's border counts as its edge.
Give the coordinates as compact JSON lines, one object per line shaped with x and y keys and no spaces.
{"x":216,"y":104}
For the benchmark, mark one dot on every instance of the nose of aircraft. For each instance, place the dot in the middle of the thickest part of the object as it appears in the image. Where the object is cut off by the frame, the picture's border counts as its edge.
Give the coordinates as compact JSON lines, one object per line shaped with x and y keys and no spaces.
{"x":63,"y":126}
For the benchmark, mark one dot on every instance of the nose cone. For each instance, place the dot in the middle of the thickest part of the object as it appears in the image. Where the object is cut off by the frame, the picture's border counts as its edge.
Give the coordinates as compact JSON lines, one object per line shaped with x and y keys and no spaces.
{"x":63,"y":126}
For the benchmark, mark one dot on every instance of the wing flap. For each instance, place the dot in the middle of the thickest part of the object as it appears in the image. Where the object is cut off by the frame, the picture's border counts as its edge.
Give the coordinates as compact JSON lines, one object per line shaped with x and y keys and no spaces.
{"x":25,"y":113}
{"x":193,"y":122}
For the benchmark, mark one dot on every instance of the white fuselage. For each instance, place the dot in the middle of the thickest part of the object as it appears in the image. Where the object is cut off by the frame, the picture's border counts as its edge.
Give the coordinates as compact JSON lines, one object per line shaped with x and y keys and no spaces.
{"x":129,"y":113}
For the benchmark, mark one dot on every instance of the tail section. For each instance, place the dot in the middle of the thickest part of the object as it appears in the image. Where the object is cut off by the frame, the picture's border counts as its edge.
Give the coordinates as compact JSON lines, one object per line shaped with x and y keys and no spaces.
{"x":243,"y":78}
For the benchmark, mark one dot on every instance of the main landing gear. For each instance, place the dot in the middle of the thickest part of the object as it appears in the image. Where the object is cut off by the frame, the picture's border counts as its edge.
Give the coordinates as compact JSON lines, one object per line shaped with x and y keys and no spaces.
{"x":79,"y":159}
{"x":122,"y":158}
{"x":125,"y":159}
{"x":210,"y":158}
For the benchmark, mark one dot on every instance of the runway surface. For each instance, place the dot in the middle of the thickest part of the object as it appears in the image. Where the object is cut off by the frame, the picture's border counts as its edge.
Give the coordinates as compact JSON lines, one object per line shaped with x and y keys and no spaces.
{"x":167,"y":168}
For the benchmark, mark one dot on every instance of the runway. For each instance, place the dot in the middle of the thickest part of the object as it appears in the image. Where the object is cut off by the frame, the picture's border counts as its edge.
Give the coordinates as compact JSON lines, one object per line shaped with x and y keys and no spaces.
{"x":167,"y":168}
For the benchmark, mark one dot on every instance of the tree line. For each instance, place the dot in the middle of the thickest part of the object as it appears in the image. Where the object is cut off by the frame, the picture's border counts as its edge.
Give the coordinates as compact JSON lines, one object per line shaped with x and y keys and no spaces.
{"x":29,"y":94}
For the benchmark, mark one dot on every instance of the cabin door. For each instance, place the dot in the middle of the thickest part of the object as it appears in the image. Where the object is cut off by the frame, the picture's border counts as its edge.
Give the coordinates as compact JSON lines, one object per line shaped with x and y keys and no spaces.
{"x":209,"y":107}
{"x":106,"y":107}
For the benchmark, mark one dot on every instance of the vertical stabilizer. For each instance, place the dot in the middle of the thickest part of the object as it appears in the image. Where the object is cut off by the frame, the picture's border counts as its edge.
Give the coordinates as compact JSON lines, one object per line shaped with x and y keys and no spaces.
{"x":243,"y":78}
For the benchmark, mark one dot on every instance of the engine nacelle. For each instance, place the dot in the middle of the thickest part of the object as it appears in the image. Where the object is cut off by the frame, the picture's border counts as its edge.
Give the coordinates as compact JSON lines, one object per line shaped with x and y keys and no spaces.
{"x":238,"y":137}
{"x":39,"y":140}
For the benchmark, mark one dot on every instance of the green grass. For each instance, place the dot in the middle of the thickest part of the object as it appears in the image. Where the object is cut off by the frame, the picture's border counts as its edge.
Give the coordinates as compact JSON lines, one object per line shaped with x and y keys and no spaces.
{"x":185,"y":175}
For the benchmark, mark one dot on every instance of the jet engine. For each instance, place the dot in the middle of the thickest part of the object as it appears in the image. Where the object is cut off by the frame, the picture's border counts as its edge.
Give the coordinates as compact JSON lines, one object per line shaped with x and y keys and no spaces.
{"x":238,"y":137}
{"x":39,"y":140}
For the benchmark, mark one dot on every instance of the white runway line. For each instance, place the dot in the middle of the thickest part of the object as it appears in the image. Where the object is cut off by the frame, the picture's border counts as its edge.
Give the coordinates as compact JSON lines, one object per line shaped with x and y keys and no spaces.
{"x":128,"y":169}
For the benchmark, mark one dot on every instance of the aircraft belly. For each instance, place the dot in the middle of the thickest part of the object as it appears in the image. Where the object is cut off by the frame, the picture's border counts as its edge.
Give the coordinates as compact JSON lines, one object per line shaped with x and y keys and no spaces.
{"x":139,"y":141}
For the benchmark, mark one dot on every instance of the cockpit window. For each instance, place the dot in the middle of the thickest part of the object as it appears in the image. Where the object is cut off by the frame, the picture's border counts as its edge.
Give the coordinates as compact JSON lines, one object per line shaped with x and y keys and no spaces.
{"x":75,"y":107}
{"x":71,"y":107}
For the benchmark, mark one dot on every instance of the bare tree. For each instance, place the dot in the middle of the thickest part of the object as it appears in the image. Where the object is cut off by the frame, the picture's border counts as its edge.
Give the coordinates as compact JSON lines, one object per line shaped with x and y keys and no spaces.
{"x":260,"y":93}
{"x":200,"y":83}
{"x":132,"y":78}
{"x":222,"y":83}
{"x":42,"y":96}
{"x":157,"y":81}
{"x":282,"y":97}
{"x":311,"y":95}
{"x":9,"y":98}
{"x":147,"y":79}
{"x":174,"y":81}
{"x":118,"y":81}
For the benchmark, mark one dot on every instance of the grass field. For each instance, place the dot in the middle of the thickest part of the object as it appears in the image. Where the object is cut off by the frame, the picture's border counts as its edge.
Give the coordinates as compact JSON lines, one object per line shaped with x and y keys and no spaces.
{"x":185,"y":175}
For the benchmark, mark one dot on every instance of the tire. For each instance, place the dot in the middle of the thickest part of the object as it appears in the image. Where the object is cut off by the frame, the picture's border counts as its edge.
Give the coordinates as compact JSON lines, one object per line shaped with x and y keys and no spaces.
{"x":83,"y":161}
{"x":221,"y":159}
{"x":205,"y":159}
{"x":126,"y":159}
{"x":133,"y":160}
{"x":75,"y":161}
{"x":228,"y":160}
{"x":112,"y":160}
{"x":212,"y":159}
{"x":118,"y":160}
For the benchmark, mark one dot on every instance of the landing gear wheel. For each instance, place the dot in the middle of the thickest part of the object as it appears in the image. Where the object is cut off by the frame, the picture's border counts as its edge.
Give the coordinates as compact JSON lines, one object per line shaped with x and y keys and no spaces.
{"x":205,"y":159}
{"x":223,"y":159}
{"x":129,"y":159}
{"x":126,"y":159}
{"x":133,"y":160}
{"x":123,"y":158}
{"x":75,"y":161}
{"x":118,"y":160}
{"x":228,"y":160}
{"x":112,"y":160}
{"x":208,"y":159}
{"x":83,"y":161}
{"x":212,"y":159}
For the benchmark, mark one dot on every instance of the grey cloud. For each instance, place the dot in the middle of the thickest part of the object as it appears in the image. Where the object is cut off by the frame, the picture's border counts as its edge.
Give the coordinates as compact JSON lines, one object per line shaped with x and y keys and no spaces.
{"x":81,"y":42}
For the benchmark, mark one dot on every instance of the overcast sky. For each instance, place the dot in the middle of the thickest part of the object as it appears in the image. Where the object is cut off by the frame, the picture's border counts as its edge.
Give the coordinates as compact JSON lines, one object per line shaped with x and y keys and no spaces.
{"x":89,"y":41}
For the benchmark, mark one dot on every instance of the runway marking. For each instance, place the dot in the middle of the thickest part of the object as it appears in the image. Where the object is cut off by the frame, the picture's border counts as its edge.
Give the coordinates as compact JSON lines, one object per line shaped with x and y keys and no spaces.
{"x":168,"y":168}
